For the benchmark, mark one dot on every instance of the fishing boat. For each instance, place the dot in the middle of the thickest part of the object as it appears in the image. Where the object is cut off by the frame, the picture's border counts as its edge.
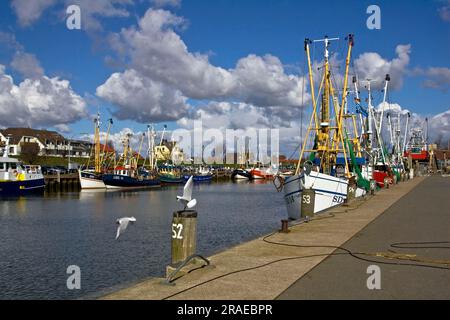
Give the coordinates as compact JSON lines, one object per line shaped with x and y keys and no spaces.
{"x":129,"y":175}
{"x":322,"y":172}
{"x":17,"y":179}
{"x":262,"y":173}
{"x":92,"y":178}
{"x":241,"y":174}
{"x":382,"y":167}
{"x":417,"y":147}
{"x":169,"y":175}
{"x":202,"y":174}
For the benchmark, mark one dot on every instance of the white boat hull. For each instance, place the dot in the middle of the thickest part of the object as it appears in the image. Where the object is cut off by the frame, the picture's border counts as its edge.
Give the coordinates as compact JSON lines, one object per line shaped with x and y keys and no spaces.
{"x":88,"y":183}
{"x":113,"y":187}
{"x":329,"y":192}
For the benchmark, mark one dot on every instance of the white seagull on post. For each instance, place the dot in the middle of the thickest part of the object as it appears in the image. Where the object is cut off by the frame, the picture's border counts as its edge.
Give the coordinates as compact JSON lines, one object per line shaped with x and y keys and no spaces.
{"x":186,"y":198}
{"x":123,"y":224}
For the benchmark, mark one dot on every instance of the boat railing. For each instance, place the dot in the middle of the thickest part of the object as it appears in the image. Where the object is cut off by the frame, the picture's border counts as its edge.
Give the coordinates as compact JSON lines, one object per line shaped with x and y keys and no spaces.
{"x":32,"y":169}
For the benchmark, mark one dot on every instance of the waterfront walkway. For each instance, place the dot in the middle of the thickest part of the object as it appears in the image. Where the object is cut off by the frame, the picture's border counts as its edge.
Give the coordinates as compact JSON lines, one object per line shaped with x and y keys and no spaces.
{"x":414,"y":229}
{"x":412,"y":211}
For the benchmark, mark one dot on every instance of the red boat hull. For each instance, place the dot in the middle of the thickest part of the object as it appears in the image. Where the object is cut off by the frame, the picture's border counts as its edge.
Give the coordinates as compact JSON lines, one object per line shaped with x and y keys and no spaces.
{"x":258,"y":174}
{"x":379,"y":176}
{"x":422,"y":156}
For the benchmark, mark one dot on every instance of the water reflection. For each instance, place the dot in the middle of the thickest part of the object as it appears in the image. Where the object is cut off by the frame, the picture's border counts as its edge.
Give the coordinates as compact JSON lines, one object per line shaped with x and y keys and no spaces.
{"x":41,"y":236}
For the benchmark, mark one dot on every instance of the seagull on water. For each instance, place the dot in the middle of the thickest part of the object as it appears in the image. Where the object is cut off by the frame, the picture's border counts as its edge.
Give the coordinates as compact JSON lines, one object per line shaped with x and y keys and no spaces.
{"x":186,"y":198}
{"x":123,"y":224}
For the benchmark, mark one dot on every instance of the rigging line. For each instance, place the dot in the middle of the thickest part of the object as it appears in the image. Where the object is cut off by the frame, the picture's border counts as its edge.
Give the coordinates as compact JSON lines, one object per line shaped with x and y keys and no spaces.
{"x":293,"y":153}
{"x":340,"y":47}
{"x":303,"y":102}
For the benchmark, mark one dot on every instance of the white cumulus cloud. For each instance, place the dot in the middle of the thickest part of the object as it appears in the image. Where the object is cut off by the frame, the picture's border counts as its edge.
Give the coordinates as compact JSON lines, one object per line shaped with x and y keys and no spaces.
{"x":142,"y":99}
{"x":40,"y":102}
{"x":165,"y":3}
{"x":370,"y":65}
{"x":28,"y":12}
{"x":27,"y":65}
{"x":158,"y":56}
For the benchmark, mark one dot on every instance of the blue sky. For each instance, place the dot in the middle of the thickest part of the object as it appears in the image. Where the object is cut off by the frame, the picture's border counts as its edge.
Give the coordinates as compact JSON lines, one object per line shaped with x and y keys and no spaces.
{"x":227,"y":31}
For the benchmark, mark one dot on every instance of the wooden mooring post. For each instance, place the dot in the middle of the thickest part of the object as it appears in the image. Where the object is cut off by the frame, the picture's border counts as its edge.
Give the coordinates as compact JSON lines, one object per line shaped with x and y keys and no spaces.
{"x":184,"y":235}
{"x":184,"y":246}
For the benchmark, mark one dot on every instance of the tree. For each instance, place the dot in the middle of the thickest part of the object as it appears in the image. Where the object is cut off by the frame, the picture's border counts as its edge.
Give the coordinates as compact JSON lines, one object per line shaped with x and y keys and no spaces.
{"x":29,"y":152}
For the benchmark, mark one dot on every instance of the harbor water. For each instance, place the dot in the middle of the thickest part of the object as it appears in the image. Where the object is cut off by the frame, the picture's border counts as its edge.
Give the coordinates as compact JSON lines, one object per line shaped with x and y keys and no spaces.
{"x":42,"y":236}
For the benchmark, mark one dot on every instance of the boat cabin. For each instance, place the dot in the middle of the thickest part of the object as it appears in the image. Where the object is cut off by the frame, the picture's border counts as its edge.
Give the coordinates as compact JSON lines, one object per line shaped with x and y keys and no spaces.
{"x":9,"y":167}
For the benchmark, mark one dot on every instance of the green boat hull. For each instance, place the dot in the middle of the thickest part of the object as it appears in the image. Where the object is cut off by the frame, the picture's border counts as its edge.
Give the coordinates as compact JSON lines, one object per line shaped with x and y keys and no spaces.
{"x":170,"y":179}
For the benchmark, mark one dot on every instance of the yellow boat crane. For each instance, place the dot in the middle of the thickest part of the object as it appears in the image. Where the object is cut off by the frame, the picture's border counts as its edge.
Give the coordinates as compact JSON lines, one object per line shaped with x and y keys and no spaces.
{"x":329,"y":122}
{"x":100,"y":156}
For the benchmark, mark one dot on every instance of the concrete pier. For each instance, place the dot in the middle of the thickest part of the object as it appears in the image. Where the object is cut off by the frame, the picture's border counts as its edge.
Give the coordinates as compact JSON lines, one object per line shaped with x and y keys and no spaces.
{"x":63,"y":182}
{"x":262,"y":270}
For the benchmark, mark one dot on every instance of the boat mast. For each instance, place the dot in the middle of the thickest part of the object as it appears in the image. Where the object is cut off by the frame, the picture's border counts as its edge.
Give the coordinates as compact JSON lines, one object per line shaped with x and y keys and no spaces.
{"x":327,"y":153}
{"x":97,"y":143}
{"x":406,"y":132}
{"x":314,"y":102}
{"x":324,"y":130}
{"x":387,"y":79}
{"x":151,"y":144}
{"x":391,"y":135}
{"x":397,"y":140}
{"x":369,"y":116}
{"x":360,"y":111}
{"x":110,"y":122}
{"x":139,"y":150}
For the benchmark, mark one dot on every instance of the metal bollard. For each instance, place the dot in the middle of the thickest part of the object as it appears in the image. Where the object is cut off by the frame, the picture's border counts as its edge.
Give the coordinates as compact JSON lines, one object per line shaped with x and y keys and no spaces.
{"x":284,"y":226}
{"x":386,"y":182}
{"x":307,"y":203}
{"x":184,"y":235}
{"x":373,"y":185}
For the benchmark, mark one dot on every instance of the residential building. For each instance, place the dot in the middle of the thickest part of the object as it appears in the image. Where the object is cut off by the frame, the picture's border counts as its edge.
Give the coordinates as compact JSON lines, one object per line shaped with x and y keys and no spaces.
{"x":169,"y":150}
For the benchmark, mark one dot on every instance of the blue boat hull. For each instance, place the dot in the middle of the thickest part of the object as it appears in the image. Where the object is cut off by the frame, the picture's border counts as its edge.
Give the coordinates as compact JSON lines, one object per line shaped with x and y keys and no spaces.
{"x":120,"y":181}
{"x":199,"y":178}
{"x":20,"y":188}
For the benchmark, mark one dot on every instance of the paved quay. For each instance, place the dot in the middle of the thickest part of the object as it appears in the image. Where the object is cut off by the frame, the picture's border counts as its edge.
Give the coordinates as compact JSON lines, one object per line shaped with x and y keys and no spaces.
{"x":262,"y":270}
{"x":416,"y":227}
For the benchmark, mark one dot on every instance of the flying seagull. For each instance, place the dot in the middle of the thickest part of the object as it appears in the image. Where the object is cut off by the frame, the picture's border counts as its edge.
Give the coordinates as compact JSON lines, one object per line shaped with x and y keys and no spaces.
{"x":123,"y":224}
{"x":186,"y":198}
